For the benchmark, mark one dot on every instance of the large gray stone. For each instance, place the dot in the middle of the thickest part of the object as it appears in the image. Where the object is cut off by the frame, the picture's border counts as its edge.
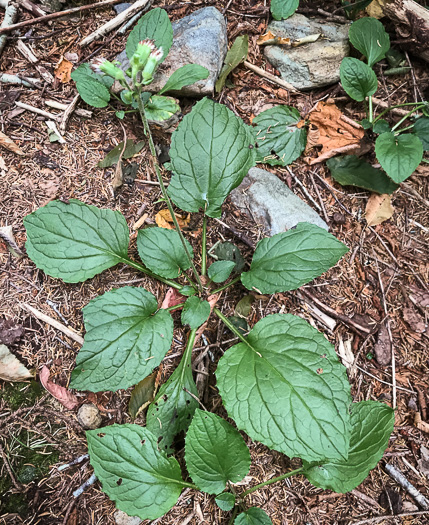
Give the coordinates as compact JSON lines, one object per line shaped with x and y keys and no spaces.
{"x":311,"y":65}
{"x":272,"y":204}
{"x":199,"y":38}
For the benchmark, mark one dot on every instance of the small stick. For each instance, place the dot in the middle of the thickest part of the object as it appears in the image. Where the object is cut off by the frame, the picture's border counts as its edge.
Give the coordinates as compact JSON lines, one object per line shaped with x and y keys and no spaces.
{"x":37,"y":110}
{"x":58,"y":105}
{"x":60,"y":14}
{"x":130,"y":22}
{"x":392,"y":517}
{"x":67,"y":113}
{"x":115,"y":22}
{"x":31,"y":57}
{"x":53,"y":322}
{"x":15,"y":79}
{"x":10,"y":17}
{"x":76,"y":461}
{"x":303,"y":188}
{"x":90,"y":481}
{"x":53,"y":127}
{"x":33,"y":8}
{"x":17,"y":485}
{"x":381,"y":380}
{"x":261,"y":72}
{"x":395,"y":474}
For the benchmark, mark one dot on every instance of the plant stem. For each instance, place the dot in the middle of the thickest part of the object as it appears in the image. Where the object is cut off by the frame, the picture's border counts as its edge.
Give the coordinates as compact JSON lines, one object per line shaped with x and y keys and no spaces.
{"x":204,"y":247}
{"x":418,"y":106}
{"x":370,"y":111}
{"x":271,"y":481}
{"x":230,"y":326}
{"x":163,"y":189}
{"x":403,"y":119}
{"x":234,"y":514}
{"x":175,"y":307}
{"x":227,"y":285}
{"x":404,"y":129}
{"x":140,"y":267}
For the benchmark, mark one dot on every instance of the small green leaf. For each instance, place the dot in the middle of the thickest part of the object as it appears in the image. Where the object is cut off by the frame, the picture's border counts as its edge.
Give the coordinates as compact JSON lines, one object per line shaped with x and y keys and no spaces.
{"x":142,"y":394}
{"x":372,"y":423}
{"x":84,"y":71}
{"x":351,"y":170}
{"x":253,"y":516}
{"x":215,"y":453}
{"x":112,"y":158}
{"x":244,"y":306}
{"x":195,"y":312}
{"x":93,"y":92}
{"x":120,"y":114}
{"x":185,"y":76}
{"x":421,"y":129}
{"x":225,"y":501}
{"x":370,"y":38}
{"x":173,"y":408}
{"x":279,"y":140}
{"x":219,"y":271}
{"x":282,"y":9}
{"x":237,"y":53}
{"x":154,"y":25}
{"x":239,"y":323}
{"x":366,"y":124}
{"x":399,"y":155}
{"x":126,"y":338}
{"x":161,"y":250}
{"x":288,"y":260}
{"x":352,"y":8}
{"x":187,"y":290}
{"x":286,"y":388}
{"x":381,"y":126}
{"x":210,"y":155}
{"x":358,"y":80}
{"x":139,"y":478}
{"x":227,"y":251}
{"x":75,"y":241}
{"x":161,"y":108}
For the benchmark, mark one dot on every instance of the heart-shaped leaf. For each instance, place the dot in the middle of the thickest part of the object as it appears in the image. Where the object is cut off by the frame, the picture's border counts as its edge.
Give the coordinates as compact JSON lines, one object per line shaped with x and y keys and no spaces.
{"x":219,"y":271}
{"x":225,"y":501}
{"x":185,"y":76}
{"x":126,"y":338}
{"x":399,"y":155}
{"x":358,"y":80}
{"x":282,"y":9}
{"x":75,"y":241}
{"x":370,"y":38}
{"x":211,"y":152}
{"x":286,"y":388}
{"x":253,"y":516}
{"x":154,"y":25}
{"x":93,"y":92}
{"x":140,"y":479}
{"x":195,"y":312}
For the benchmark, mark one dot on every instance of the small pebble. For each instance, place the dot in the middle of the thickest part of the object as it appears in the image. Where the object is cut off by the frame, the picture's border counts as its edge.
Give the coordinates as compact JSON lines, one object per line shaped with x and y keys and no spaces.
{"x":123,"y":519}
{"x":89,"y":417}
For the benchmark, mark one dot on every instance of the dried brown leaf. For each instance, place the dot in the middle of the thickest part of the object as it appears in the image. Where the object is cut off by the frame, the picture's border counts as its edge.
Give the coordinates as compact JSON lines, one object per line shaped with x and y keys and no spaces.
{"x":172,"y":298}
{"x":378,"y":209}
{"x":63,"y":70}
{"x":164,"y":220}
{"x":382,"y":348}
{"x":64,"y":396}
{"x":11,"y":368}
{"x":9,"y":144}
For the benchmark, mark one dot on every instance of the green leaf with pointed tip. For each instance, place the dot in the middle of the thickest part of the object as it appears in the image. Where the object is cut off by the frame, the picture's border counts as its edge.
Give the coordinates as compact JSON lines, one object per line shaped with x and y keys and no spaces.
{"x":93,"y":92}
{"x":421,"y":129}
{"x":358,"y":79}
{"x":279,"y":140}
{"x":372,"y":423}
{"x":288,"y":260}
{"x":219,"y":271}
{"x":112,"y":158}
{"x":210,"y":155}
{"x":381,"y":126}
{"x":84,"y":71}
{"x":185,"y":76}
{"x":370,"y":38}
{"x":253,"y":516}
{"x":75,"y":241}
{"x":162,"y":251}
{"x":126,"y":338}
{"x":399,"y":155}
{"x":227,"y":251}
{"x":225,"y":501}
{"x":173,"y":408}
{"x":195,"y":312}
{"x":161,"y":108}
{"x":141,"y":480}
{"x":351,"y":170}
{"x":286,"y":388}
{"x":154,"y":25}
{"x":235,"y":56}
{"x":282,"y":9}
{"x":215,"y":453}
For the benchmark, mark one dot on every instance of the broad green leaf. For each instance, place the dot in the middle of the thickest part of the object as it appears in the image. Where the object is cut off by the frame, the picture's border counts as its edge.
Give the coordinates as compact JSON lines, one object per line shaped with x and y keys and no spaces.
{"x":225,"y":501}
{"x":143,"y":394}
{"x":112,"y":158}
{"x":210,"y":155}
{"x":154,"y":25}
{"x":253,"y":516}
{"x":161,"y":250}
{"x":161,"y":108}
{"x":219,"y":271}
{"x":398,"y":155}
{"x":381,"y":126}
{"x":370,"y":38}
{"x":173,"y":408}
{"x":282,"y":9}
{"x":195,"y":312}
{"x":421,"y":129}
{"x":185,"y":76}
{"x":351,"y":170}
{"x":93,"y":92}
{"x":84,"y":71}
{"x":75,"y":241}
{"x":227,"y":251}
{"x":279,"y":140}
{"x":286,"y":388}
{"x":126,"y":338}
{"x":215,"y":453}
{"x":237,"y":53}
{"x":372,"y":423}
{"x":358,"y":80}
{"x":288,"y":260}
{"x":141,"y":480}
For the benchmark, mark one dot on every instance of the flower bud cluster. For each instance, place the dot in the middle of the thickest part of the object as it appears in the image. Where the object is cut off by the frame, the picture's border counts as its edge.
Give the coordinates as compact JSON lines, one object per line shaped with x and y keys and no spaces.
{"x":101,"y":65}
{"x":144,"y":62}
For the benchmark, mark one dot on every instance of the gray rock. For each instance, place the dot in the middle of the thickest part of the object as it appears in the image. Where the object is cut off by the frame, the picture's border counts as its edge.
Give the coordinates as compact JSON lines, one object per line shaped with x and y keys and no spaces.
{"x":119,"y":8}
{"x":272,"y":204}
{"x":311,"y":65}
{"x":199,"y":38}
{"x":89,"y":417}
{"x":123,"y":519}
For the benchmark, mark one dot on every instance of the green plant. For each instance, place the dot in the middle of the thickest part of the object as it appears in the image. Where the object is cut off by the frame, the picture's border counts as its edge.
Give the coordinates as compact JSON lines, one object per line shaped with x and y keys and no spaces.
{"x":282,"y":383}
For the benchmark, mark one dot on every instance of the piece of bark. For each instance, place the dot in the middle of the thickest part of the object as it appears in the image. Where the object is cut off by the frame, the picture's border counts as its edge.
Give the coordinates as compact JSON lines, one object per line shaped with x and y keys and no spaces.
{"x":78,"y":111}
{"x":32,"y":8}
{"x":382,"y":348}
{"x":31,"y":57}
{"x":10,"y":17}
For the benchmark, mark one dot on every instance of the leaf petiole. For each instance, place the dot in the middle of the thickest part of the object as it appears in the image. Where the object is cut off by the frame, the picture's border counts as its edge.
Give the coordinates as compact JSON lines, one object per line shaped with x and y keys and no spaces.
{"x":204,"y":247}
{"x":227,"y":285}
{"x":140,"y":267}
{"x":370,"y":110}
{"x":271,"y":481}
{"x":231,"y":327}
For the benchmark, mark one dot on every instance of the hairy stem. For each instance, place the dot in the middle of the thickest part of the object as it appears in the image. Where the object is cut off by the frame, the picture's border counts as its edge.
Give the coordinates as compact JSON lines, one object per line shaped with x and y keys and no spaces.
{"x":227,"y":323}
{"x":204,"y":247}
{"x":271,"y":481}
{"x":141,"y":268}
{"x":227,"y":285}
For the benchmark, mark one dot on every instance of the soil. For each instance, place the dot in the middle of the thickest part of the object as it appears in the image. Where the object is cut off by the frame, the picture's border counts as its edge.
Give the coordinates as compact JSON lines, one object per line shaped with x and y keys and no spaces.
{"x":380,"y":283}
